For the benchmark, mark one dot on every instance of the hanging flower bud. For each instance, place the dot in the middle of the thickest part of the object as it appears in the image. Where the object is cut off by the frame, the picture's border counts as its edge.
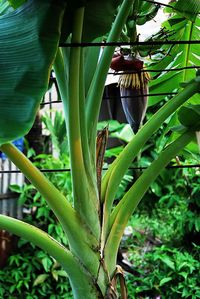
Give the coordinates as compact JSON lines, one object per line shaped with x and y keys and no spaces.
{"x":119,"y":63}
{"x":133,"y":89}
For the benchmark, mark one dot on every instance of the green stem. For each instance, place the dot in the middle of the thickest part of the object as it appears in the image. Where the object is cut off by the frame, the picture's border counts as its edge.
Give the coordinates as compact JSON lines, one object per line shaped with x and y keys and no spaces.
{"x":131,"y":199}
{"x":74,"y":134}
{"x":80,"y":239}
{"x":84,"y":133}
{"x":62,"y":81}
{"x":54,"y":197}
{"x":91,"y":62}
{"x":69,"y":73}
{"x":187,"y":51}
{"x":119,"y":167}
{"x":97,"y":86}
{"x":85,"y":199}
{"x":79,"y":278}
{"x":133,"y":31}
{"x":90,"y":169}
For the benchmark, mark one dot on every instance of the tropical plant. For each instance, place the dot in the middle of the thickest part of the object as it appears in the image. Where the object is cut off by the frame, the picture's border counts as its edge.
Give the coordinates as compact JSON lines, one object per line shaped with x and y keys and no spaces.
{"x":180,"y":25}
{"x":165,"y":273}
{"x":30,"y":38}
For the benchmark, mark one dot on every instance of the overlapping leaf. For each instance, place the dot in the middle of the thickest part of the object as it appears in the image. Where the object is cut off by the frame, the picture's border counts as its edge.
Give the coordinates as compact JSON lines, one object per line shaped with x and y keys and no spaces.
{"x":190,"y":117}
{"x":29,"y":39}
{"x":179,"y":56}
{"x":188,"y":9}
{"x":98,"y":17}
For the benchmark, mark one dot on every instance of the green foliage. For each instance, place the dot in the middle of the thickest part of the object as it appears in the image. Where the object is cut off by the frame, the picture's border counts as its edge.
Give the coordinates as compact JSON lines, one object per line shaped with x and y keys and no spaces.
{"x":178,"y":56}
{"x":165,"y":229}
{"x":189,"y":116}
{"x":15,"y":65}
{"x":92,"y":224}
{"x":147,"y":11}
{"x":5,"y":7}
{"x":33,"y":275}
{"x":165,"y":272}
{"x":57,"y":132}
{"x":174,"y":269}
{"x":98,"y":18}
{"x":176,"y":205}
{"x":189,"y":9}
{"x":37,"y":70}
{"x":19,"y":68}
{"x":16,"y":3}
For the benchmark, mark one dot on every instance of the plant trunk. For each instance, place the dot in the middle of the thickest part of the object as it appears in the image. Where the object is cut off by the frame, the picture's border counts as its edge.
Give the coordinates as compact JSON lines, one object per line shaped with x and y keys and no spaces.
{"x":93,"y":291}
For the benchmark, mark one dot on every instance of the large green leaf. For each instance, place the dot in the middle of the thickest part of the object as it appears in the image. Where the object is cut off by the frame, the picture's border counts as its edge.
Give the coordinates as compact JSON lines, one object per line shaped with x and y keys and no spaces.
{"x":180,"y":56}
{"x":188,"y":9}
{"x":29,"y":38}
{"x":98,"y":18}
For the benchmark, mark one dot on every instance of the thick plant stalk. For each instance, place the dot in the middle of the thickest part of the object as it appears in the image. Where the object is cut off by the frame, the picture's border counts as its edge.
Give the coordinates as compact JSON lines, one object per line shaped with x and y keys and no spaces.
{"x":62,"y":81}
{"x":129,"y":202}
{"x":90,"y":169}
{"x":85,"y":197}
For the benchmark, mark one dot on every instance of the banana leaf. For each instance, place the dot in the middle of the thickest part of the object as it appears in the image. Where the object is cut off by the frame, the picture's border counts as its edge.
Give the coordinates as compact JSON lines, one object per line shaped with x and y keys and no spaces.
{"x":188,"y":9}
{"x":180,"y":56}
{"x":98,"y":17}
{"x":190,"y":117}
{"x":29,"y":39}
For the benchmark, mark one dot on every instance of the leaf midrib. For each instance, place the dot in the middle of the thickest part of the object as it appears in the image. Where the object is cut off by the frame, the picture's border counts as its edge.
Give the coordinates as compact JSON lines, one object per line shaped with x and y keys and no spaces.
{"x":187,"y":50}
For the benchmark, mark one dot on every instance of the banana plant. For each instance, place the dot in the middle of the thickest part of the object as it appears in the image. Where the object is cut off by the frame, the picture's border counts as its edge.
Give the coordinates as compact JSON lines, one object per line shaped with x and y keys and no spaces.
{"x":30,"y":37}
